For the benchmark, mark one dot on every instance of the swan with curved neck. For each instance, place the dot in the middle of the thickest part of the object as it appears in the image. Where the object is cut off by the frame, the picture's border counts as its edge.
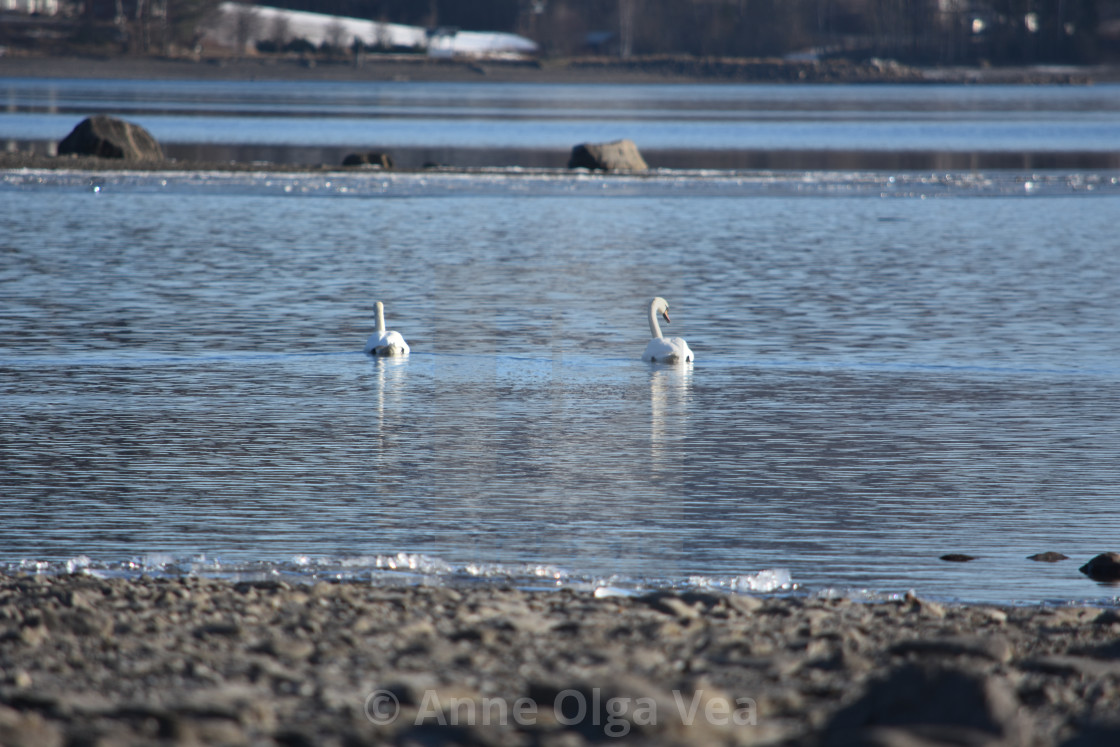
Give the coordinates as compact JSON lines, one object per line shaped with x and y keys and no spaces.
{"x":661,"y":349}
{"x":389,"y":343}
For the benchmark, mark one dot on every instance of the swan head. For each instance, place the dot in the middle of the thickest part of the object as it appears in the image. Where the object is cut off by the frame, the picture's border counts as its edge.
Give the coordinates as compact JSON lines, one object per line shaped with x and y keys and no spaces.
{"x":660,"y":306}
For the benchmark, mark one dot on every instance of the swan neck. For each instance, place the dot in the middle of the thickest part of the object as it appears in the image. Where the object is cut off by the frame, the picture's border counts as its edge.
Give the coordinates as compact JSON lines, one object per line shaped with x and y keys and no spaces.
{"x":654,"y":327}
{"x":380,"y":318}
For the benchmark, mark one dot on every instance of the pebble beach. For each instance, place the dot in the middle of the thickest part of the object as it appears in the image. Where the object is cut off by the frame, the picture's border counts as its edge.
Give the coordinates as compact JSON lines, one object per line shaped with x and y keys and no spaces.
{"x":195,"y":660}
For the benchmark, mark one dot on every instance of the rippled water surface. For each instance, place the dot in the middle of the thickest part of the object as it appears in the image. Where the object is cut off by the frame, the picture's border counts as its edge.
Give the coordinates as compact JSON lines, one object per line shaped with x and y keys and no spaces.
{"x":889,"y":368}
{"x":892,"y":364}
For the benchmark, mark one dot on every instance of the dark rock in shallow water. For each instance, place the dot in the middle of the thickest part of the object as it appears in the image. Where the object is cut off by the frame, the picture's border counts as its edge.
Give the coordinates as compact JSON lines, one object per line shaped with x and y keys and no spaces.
{"x":109,"y":137}
{"x":1104,"y":567}
{"x":621,"y":155}
{"x":371,"y":158}
{"x":1048,"y":557}
{"x":956,"y":557}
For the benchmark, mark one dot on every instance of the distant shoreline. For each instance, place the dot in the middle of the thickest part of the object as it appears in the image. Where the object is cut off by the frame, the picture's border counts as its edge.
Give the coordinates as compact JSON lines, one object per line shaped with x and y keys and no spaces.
{"x":576,"y":72}
{"x":586,"y":70}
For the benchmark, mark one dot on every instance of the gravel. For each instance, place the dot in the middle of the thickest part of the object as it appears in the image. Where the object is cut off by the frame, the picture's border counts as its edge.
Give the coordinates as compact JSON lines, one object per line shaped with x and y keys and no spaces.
{"x":129,"y":661}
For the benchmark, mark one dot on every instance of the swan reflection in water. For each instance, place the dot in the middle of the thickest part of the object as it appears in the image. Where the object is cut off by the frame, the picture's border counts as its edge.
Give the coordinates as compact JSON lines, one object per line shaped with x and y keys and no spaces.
{"x":390,"y":375}
{"x":670,"y":390}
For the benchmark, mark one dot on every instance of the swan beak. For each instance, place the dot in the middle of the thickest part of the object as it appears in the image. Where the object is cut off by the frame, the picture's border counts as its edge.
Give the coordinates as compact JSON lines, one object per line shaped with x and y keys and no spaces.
{"x":666,"y":315}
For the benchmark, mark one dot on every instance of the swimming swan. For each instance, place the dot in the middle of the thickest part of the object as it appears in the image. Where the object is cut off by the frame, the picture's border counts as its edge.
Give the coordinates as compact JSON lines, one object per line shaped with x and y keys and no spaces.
{"x":382,"y":342}
{"x":660,"y":349}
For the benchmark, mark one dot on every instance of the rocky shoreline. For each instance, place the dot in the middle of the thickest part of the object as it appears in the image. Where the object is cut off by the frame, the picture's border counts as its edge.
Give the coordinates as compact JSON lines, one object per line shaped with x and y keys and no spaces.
{"x":124,"y":661}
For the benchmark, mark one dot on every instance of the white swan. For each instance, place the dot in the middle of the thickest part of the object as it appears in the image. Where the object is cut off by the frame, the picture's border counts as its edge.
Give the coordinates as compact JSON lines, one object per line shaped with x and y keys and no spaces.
{"x":660,"y":349}
{"x":382,"y":342}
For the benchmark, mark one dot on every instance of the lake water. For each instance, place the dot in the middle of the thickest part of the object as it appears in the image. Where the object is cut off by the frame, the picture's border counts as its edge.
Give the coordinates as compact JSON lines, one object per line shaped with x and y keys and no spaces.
{"x":511,"y":124}
{"x":890,"y":366}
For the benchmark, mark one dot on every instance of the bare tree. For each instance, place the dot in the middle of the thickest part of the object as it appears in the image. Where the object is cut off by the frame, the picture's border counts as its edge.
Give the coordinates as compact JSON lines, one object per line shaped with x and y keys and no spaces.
{"x":187,"y":20}
{"x":336,"y":33}
{"x":383,"y":38}
{"x":625,"y":28}
{"x":246,"y":26}
{"x":281,"y":31}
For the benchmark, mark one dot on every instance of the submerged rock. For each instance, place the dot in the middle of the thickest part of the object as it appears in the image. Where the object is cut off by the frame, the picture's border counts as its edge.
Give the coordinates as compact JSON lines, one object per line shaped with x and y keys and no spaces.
{"x":620,"y":155}
{"x":109,"y":137}
{"x":956,"y":557}
{"x":1048,"y":557}
{"x":1104,"y":567}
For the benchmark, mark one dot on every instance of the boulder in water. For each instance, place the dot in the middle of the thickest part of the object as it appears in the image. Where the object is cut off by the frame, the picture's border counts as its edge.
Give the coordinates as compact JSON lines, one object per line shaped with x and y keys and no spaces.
{"x":1104,"y":567}
{"x":109,"y":137}
{"x":621,"y":155}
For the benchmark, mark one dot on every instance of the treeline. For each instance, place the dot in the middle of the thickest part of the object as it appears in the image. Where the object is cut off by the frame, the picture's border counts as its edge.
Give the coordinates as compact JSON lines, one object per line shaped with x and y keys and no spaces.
{"x":140,"y":26}
{"x":927,"y":32}
{"x":913,"y":31}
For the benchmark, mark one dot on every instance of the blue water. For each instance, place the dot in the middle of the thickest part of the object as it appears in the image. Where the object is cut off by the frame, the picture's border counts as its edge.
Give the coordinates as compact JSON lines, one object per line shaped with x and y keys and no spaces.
{"x":497,"y":115}
{"x":890,"y":367}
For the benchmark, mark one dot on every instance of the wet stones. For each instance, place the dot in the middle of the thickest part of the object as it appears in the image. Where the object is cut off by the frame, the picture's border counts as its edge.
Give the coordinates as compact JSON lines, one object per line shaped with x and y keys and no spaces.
{"x":108,"y":137}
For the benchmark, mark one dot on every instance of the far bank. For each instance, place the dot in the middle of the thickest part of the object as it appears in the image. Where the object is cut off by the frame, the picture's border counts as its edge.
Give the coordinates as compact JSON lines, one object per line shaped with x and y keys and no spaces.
{"x":578,"y":70}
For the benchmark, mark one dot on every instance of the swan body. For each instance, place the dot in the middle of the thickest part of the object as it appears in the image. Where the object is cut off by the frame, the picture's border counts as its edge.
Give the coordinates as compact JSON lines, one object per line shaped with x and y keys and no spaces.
{"x":664,"y":349}
{"x":389,"y":343}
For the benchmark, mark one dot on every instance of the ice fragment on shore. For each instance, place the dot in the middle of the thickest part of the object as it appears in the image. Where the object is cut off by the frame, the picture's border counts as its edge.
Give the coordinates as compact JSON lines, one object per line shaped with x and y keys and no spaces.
{"x":605,"y":592}
{"x":769,"y":580}
{"x":78,"y":563}
{"x":772,"y":579}
{"x":404,"y":561}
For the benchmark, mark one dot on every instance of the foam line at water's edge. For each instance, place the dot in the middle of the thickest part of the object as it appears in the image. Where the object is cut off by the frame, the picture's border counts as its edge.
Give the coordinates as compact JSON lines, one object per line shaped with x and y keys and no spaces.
{"x":412,"y":569}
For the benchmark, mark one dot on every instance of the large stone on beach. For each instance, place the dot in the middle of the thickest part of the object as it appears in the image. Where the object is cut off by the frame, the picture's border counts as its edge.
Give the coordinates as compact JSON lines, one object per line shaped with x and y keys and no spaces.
{"x":109,"y":137}
{"x":932,"y":705}
{"x":621,"y":155}
{"x":1104,"y":567}
{"x":19,"y":729}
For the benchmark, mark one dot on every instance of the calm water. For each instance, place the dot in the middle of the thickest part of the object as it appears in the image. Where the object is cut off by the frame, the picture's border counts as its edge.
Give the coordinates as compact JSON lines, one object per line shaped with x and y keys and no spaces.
{"x":467,"y":124}
{"x":890,"y":367}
